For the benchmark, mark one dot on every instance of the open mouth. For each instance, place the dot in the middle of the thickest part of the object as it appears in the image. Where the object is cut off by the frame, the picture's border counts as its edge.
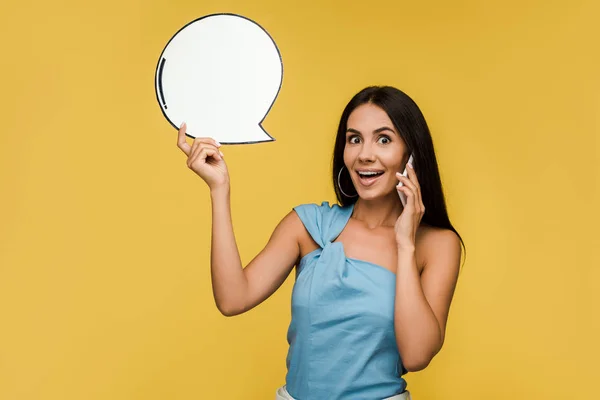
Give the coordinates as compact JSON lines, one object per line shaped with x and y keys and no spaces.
{"x":367,"y":178}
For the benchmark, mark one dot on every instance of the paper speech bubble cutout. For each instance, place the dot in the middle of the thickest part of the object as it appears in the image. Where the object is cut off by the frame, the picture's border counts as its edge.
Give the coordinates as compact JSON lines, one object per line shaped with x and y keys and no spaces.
{"x":220,"y":74}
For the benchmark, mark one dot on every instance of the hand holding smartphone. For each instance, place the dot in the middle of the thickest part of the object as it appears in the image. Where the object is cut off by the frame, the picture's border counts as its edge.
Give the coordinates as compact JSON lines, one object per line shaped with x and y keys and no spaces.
{"x":402,"y":195}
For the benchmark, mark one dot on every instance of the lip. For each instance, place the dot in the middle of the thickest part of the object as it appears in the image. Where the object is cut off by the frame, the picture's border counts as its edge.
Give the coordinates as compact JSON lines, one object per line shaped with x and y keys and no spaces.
{"x":368,"y":182}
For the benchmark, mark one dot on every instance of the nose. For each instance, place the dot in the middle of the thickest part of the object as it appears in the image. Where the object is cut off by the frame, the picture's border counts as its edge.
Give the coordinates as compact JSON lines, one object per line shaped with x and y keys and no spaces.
{"x":367,"y":153}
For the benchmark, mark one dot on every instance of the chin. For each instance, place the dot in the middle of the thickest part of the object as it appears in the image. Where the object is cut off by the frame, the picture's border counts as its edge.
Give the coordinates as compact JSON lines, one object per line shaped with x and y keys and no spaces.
{"x":372,"y":195}
{"x":378,"y":194}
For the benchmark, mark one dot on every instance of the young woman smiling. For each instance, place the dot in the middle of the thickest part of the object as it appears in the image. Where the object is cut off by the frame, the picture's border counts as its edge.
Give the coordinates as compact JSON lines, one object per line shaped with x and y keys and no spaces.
{"x":374,"y":278}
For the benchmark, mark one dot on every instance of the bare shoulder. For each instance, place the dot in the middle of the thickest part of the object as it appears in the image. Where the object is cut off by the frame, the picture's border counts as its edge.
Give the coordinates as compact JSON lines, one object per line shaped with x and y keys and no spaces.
{"x":291,"y":220}
{"x":292,"y":228}
{"x":439,"y":246}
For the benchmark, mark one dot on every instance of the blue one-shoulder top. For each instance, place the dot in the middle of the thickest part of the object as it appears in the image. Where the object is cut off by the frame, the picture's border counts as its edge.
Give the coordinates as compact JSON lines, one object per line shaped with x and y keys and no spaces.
{"x":341,"y":337}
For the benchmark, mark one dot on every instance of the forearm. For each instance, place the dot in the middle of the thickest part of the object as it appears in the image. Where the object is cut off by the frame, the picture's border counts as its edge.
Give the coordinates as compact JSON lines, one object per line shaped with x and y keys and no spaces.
{"x":228,"y":280}
{"x":417,"y":330}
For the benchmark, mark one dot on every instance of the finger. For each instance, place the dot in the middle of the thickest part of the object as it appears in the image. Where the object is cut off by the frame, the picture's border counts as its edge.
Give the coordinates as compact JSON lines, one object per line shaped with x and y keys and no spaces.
{"x":210,"y":153}
{"x":181,"y":140}
{"x":207,"y":140}
{"x":405,"y":180}
{"x":415,"y":181}
{"x":200,"y":143}
{"x":409,"y":196}
{"x":204,"y":154}
{"x":195,"y":156}
{"x":197,"y":146}
{"x":412,"y":175}
{"x":196,"y":149}
{"x":416,"y":201}
{"x":412,"y":199}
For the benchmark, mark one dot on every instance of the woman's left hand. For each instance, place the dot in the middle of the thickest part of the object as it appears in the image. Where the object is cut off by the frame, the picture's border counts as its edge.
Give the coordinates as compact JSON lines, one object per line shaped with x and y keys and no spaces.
{"x":408,"y":222}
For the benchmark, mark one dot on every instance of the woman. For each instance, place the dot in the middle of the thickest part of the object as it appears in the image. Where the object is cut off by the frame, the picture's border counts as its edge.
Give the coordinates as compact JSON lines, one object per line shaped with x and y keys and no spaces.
{"x":374,"y":278}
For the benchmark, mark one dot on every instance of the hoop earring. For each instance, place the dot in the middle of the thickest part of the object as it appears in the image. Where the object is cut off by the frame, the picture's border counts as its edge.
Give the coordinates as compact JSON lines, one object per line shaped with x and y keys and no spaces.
{"x":340,"y":185}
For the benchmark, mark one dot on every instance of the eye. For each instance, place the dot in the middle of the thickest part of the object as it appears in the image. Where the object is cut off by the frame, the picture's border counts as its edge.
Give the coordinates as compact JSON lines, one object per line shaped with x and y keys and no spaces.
{"x":384,"y":140}
{"x":354,"y":139}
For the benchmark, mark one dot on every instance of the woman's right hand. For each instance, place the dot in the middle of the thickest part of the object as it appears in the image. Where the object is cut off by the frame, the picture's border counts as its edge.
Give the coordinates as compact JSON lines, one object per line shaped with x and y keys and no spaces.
{"x":205,"y":159}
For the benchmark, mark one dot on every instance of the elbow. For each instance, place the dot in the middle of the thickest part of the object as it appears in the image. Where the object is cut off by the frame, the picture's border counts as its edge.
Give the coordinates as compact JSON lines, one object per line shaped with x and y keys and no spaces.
{"x":417,"y":361}
{"x":228,"y":310}
{"x":419,"y":355}
{"x":414,"y":364}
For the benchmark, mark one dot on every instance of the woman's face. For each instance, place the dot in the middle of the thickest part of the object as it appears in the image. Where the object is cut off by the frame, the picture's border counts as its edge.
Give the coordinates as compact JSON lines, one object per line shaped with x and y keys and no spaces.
{"x":374,"y":152}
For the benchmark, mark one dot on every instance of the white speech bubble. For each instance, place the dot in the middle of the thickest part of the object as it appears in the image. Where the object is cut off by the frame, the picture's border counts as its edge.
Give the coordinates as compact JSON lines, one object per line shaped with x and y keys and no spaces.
{"x":220,"y":74}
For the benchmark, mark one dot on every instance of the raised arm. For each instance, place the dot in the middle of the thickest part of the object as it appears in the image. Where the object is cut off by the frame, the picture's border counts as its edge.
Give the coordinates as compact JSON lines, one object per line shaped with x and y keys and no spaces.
{"x":237,"y":289}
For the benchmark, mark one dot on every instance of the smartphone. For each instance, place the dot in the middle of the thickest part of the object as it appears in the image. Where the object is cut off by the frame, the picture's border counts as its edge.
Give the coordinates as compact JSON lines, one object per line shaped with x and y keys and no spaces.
{"x":402,"y":195}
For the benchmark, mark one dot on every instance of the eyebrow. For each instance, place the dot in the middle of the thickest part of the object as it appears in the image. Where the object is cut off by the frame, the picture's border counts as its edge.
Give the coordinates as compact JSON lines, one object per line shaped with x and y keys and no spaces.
{"x":378,"y":130}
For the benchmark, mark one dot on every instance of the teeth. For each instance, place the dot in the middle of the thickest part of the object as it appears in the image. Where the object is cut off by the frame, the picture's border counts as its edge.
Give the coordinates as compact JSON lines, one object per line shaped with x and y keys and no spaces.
{"x":370,"y":173}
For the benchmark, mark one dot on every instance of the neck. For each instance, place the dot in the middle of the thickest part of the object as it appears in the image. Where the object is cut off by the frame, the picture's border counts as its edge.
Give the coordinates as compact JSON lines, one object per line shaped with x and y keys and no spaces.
{"x":378,"y":212}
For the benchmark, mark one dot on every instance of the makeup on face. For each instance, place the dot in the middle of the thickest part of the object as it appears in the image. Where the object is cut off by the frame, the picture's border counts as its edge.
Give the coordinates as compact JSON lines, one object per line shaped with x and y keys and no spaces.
{"x":373,"y":149}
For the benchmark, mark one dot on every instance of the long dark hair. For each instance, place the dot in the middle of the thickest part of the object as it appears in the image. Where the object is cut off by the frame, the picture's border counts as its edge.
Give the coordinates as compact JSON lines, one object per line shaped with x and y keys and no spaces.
{"x":412,"y":127}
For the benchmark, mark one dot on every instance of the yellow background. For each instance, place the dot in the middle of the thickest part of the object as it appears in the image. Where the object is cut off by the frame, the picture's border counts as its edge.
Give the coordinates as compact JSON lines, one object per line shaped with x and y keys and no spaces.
{"x":104,"y":232}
